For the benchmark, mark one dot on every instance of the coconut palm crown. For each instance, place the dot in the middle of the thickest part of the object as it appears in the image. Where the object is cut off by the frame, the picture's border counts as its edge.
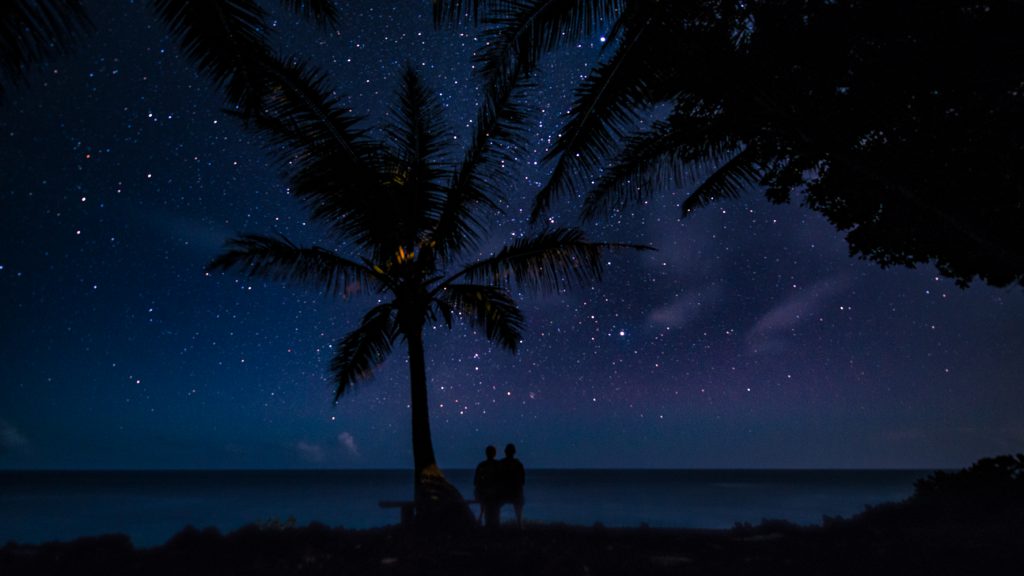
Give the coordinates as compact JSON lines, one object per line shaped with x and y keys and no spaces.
{"x":402,"y":220}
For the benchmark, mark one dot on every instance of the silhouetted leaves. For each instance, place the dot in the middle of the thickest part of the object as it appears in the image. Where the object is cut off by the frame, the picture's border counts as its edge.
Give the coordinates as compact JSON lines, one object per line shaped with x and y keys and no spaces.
{"x":487,"y":307}
{"x":550,"y":260}
{"x":227,"y":41}
{"x":278,"y":259}
{"x":518,"y":32}
{"x":329,"y":159}
{"x":364,"y":348}
{"x":323,"y":12}
{"x":900,"y":123}
{"x":33,"y":30}
{"x":988,"y":489}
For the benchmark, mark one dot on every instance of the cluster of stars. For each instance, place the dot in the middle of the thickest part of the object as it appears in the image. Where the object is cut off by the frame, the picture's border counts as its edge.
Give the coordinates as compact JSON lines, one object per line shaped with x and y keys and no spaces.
{"x":748,"y":317}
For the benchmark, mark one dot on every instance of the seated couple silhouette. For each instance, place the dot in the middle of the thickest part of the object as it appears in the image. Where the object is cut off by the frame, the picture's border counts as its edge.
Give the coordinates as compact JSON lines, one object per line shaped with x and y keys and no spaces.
{"x":499,"y":482}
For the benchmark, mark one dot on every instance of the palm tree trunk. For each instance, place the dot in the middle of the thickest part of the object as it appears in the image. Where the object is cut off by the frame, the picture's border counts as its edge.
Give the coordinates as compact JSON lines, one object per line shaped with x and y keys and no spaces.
{"x":422,"y":444}
{"x":439,"y":505}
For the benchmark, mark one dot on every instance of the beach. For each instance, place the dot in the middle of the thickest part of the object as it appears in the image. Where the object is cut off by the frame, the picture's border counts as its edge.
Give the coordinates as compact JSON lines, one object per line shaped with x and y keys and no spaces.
{"x":966,"y":522}
{"x":846,"y":548}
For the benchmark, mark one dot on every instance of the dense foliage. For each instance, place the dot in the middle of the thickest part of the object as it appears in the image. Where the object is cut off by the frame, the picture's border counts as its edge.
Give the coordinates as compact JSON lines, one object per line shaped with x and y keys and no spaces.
{"x":900,"y":122}
{"x":989,"y":488}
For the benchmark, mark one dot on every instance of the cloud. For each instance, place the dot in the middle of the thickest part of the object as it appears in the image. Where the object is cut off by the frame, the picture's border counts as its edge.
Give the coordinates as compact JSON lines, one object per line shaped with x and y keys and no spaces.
{"x":349,"y":443}
{"x":310,"y":452}
{"x":684,"y":309}
{"x":11,"y":439}
{"x":806,"y":304}
{"x":318,"y":453}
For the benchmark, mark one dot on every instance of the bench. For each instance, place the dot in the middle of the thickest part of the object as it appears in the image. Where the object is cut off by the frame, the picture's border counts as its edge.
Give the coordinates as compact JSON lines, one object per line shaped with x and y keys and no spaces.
{"x":408,"y":508}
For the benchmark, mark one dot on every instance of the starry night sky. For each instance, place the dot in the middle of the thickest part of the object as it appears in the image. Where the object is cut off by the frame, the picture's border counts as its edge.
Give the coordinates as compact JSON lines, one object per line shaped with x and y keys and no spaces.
{"x":749,"y":339}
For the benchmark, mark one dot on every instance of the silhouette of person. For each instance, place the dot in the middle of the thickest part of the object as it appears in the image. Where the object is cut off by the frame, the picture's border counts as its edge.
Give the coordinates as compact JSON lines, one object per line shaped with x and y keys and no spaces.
{"x":486,"y":486}
{"x":512,"y":479}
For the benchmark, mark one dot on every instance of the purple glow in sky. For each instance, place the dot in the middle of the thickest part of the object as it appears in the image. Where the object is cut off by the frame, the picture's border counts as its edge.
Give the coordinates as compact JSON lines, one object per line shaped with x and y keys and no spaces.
{"x":749,"y":339}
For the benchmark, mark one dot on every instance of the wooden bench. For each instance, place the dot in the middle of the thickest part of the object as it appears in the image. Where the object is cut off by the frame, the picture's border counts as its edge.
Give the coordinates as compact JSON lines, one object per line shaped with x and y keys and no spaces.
{"x":408,"y":508}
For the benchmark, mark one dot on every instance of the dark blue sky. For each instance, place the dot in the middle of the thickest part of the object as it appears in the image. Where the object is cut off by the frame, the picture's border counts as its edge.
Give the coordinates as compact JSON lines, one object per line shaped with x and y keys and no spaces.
{"x":750,"y":339}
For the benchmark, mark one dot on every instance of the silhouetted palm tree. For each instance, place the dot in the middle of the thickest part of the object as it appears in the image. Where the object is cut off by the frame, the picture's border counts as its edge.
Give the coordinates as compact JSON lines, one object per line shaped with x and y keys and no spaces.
{"x":405,"y":217}
{"x":893,"y":122}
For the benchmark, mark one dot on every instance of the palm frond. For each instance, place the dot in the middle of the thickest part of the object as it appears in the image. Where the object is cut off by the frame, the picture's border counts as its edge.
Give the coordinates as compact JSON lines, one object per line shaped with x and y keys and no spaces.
{"x":663,"y":50}
{"x":670,"y":154}
{"x":227,"y":41}
{"x":276,"y":258}
{"x":323,"y":12}
{"x":609,"y":104}
{"x":31,"y":31}
{"x":301,"y":112}
{"x":417,"y":140}
{"x":333,"y":164}
{"x":487,"y":169}
{"x":364,"y":349}
{"x":458,"y":11}
{"x":520,"y":32}
{"x":729,"y":181}
{"x":551,"y":260}
{"x":417,"y":130}
{"x":446,"y":311}
{"x":489,"y":308}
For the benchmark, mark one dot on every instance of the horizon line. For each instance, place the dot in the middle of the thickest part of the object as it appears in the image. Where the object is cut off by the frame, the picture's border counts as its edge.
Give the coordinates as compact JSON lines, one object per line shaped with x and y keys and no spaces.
{"x":470,"y":469}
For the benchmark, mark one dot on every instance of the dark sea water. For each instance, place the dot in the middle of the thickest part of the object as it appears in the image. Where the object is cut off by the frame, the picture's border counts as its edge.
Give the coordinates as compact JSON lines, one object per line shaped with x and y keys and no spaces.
{"x":151,"y":506}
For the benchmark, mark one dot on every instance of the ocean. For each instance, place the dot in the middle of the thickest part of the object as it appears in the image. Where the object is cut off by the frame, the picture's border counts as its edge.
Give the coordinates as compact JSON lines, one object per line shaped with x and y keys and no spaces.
{"x":151,"y":506}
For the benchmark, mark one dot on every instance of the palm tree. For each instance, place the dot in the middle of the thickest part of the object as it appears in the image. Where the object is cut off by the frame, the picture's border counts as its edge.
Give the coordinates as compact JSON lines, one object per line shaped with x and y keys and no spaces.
{"x":405,"y":218}
{"x":873,"y":116}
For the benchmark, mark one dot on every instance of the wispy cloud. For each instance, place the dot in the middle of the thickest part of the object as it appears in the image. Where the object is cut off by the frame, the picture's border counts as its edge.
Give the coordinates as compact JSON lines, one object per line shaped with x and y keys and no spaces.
{"x":11,"y":439}
{"x":768,"y":332}
{"x":348,"y":442}
{"x":319,"y":453}
{"x":310,"y":452}
{"x":684,"y":309}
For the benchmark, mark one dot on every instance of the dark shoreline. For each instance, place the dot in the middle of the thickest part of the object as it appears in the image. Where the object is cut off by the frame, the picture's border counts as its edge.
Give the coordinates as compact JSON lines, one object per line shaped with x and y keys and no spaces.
{"x":967,"y":522}
{"x":839,"y":547}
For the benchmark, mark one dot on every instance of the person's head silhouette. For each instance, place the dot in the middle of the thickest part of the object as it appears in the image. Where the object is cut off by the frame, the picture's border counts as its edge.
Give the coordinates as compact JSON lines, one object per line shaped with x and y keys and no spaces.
{"x":510,"y":450}
{"x":491,"y":452}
